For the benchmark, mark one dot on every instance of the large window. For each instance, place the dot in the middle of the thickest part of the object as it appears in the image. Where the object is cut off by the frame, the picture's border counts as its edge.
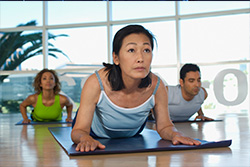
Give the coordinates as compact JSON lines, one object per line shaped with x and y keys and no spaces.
{"x":213,"y":34}
{"x":215,"y":39}
{"x":165,"y":46}
{"x":82,"y":46}
{"x":126,"y":10}
{"x":67,"y":12}
{"x":14,"y":13}
{"x":216,"y":6}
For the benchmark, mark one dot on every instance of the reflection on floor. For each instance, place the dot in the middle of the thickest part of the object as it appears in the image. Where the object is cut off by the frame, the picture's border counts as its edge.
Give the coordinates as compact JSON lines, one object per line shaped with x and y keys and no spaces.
{"x":33,"y":145}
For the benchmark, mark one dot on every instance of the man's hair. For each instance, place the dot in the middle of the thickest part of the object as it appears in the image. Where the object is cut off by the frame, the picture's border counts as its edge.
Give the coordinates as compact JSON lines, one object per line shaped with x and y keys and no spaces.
{"x":114,"y":71}
{"x":187,"y":68}
{"x":37,"y":81}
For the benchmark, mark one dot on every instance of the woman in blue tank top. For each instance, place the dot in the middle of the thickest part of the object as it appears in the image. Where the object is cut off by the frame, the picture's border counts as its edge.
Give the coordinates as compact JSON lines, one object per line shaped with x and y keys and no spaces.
{"x":116,"y":100}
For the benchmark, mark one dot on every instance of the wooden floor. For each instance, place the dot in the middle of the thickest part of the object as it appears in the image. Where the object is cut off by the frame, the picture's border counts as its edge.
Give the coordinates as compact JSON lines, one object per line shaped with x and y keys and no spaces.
{"x":28,"y":145}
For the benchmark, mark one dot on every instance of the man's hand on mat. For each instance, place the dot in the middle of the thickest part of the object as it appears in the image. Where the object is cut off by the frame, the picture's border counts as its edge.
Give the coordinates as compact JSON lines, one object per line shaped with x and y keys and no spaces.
{"x":203,"y":118}
{"x":89,"y":144}
{"x":69,"y":119}
{"x":179,"y":139}
{"x":26,"y":121}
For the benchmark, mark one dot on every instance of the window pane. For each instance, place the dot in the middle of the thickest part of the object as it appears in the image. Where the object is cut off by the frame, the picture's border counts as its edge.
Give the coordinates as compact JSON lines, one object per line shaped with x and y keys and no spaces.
{"x":72,"y":83}
{"x":82,"y":46}
{"x":34,"y":63}
{"x":168,"y":75}
{"x":208,"y":6}
{"x":212,"y":39}
{"x":165,"y":50}
{"x":123,"y":10}
{"x":13,"y":90}
{"x":23,"y":53}
{"x":14,"y":13}
{"x":65,"y":12}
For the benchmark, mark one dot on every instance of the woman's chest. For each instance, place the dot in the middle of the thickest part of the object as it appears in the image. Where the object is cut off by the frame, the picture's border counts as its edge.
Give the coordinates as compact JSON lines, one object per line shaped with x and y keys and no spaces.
{"x":128,"y":100}
{"x":48,"y":103}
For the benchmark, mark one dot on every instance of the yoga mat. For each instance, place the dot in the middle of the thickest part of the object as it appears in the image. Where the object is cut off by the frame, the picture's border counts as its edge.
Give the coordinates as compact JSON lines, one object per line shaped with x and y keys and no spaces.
{"x":63,"y":121}
{"x":149,"y":140}
{"x":215,"y":120}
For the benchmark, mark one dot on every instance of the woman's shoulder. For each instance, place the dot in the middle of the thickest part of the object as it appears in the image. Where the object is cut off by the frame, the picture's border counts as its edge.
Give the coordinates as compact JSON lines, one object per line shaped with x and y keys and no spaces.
{"x":94,"y":80}
{"x":35,"y":95}
{"x":102,"y":73}
{"x":33,"y":98}
{"x":63,"y":97}
{"x":156,"y":79}
{"x":157,"y":82}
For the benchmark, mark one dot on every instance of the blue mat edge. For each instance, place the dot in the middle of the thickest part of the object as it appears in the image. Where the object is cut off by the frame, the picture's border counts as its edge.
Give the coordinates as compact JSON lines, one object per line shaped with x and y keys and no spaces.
{"x":192,"y":121}
{"x":224,"y":143}
{"x":42,"y":123}
{"x":63,"y":121}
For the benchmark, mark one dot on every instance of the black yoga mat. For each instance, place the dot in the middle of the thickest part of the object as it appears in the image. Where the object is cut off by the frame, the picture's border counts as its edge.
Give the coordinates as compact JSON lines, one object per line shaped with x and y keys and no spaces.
{"x":149,"y":140}
{"x":63,"y":121}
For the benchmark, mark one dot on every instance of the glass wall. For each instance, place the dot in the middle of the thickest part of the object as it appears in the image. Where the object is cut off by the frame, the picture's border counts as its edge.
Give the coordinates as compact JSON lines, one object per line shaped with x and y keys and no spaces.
{"x":87,"y":45}
{"x":77,"y":12}
{"x":76,"y":37}
{"x":215,"y":39}
{"x":123,"y":10}
{"x":14,"y":13}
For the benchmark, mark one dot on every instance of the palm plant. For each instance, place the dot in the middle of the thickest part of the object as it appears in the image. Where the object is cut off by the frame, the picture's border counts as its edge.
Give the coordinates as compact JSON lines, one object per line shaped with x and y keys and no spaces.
{"x":16,"y":47}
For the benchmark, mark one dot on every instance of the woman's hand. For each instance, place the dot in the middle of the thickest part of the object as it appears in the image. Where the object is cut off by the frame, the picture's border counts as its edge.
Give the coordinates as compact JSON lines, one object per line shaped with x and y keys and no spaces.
{"x":26,"y":121}
{"x":88,"y":144}
{"x":69,"y":119}
{"x":203,"y":118}
{"x":179,"y":139}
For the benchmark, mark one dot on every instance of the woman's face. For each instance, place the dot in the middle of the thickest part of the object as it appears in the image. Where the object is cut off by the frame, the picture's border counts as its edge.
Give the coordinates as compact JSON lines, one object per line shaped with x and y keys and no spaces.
{"x":135,"y":56}
{"x":47,"y":81}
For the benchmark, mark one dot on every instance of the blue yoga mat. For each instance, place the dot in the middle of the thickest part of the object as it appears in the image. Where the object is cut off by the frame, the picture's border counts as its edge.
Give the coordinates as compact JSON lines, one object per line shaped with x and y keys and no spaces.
{"x":63,"y":121}
{"x":149,"y":140}
{"x":199,"y":120}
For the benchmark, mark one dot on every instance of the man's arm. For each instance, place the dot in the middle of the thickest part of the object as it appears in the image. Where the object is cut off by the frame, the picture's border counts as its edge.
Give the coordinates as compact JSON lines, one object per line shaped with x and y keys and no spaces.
{"x":200,"y":112}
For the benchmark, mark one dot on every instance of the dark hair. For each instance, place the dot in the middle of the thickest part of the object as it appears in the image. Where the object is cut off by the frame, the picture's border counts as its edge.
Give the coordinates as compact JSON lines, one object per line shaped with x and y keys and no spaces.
{"x":114,"y":71}
{"x":37,"y":81}
{"x":187,"y":68}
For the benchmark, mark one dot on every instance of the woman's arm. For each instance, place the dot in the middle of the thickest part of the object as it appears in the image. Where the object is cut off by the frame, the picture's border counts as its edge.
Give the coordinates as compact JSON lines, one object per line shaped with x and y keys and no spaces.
{"x":81,"y":130}
{"x":65,"y":101}
{"x":30,"y":100}
{"x":164,"y":126}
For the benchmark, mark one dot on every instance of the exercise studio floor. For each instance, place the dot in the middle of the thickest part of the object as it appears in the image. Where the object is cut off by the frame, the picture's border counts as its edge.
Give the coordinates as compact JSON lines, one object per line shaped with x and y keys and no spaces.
{"x":33,"y":145}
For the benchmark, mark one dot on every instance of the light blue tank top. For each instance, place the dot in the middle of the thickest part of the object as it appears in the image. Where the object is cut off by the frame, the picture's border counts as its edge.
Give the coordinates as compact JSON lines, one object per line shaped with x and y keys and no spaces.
{"x":179,"y":108}
{"x":112,"y":121}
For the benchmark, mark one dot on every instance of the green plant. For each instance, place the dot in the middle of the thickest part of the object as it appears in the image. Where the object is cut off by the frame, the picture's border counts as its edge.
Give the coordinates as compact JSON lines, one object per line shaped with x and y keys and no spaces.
{"x":16,"y":47}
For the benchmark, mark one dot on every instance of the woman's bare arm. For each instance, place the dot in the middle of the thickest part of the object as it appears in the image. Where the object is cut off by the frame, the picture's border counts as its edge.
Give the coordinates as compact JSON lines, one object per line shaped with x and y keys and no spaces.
{"x":164,"y":125}
{"x":81,"y":130}
{"x":30,"y":100}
